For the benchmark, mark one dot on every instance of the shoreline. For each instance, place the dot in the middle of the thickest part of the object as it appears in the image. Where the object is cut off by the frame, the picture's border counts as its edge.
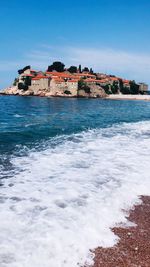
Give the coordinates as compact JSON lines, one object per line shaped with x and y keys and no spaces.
{"x":129,"y":97}
{"x":108,"y":97}
{"x":133,"y":248}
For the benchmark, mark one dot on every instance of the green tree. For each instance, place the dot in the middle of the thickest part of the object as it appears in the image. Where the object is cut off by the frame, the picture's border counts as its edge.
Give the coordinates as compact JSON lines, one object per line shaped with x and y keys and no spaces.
{"x":91,"y":71}
{"x":107,"y":89}
{"x":24,"y":69}
{"x":26,"y":82}
{"x":121,"y":85}
{"x":86,"y":69}
{"x":83,"y":86}
{"x":125,"y":90}
{"x":114,"y":88}
{"x":22,"y":86}
{"x":80,"y":69}
{"x":134,"y":88}
{"x":56,"y":66}
{"x":15,"y":81}
{"x":72,"y":69}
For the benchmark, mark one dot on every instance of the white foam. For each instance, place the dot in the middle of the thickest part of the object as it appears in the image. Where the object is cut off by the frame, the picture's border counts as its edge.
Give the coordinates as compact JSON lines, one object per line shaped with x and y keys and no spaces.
{"x":65,"y":199}
{"x":18,"y":116}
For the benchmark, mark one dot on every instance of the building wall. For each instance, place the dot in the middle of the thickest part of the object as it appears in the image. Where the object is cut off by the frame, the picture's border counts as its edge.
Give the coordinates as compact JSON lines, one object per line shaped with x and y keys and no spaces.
{"x":27,"y":71}
{"x":58,"y":88}
{"x":143,"y":87}
{"x":42,"y":84}
{"x":73,"y":87}
{"x":53,"y":87}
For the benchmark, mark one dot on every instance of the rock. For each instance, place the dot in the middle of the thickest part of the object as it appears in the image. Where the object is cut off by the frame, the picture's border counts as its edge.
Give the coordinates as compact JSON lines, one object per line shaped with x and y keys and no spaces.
{"x":41,"y":94}
{"x":48,"y":94}
{"x":27,"y":93}
{"x":96,"y":92}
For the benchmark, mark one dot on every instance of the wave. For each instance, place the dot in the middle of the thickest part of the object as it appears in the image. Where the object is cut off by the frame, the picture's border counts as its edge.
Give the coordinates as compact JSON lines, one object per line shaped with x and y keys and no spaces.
{"x":68,"y":193}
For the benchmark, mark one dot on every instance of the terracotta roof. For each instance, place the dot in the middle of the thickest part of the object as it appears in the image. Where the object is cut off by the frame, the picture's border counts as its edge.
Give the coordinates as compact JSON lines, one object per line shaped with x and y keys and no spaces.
{"x":33,"y":71}
{"x":42,"y":77}
{"x":96,"y":81}
{"x":90,"y":80}
{"x":85,"y":74}
{"x":28,"y":75}
{"x":57,"y":79}
{"x":60,"y":74}
{"x":50,"y":72}
{"x":39,"y":77}
{"x":113,"y":78}
{"x":125,"y":81}
{"x":35,"y":78}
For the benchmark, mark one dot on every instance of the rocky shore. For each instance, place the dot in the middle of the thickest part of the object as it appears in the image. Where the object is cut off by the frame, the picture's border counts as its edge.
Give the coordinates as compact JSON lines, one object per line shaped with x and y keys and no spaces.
{"x":95,"y":93}
{"x":133,"y":248}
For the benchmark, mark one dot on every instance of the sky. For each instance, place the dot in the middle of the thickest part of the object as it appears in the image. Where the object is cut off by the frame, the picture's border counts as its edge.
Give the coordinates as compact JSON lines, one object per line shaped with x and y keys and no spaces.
{"x":112,"y":36}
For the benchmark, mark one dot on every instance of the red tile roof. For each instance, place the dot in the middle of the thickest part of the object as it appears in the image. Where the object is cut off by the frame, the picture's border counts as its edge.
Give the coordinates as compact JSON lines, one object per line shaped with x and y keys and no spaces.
{"x":57,"y":79}
{"x":125,"y":81}
{"x":60,"y":74}
{"x":85,"y":74}
{"x":113,"y":78}
{"x":35,"y":78}
{"x":39,"y":77}
{"x":33,"y":71}
{"x":28,"y":75}
{"x":42,"y":77}
{"x":90,"y":80}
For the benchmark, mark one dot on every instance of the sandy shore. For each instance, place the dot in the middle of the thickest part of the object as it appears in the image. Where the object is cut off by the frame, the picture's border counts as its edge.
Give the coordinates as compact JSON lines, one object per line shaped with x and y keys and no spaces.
{"x":133,"y":249}
{"x":129,"y":97}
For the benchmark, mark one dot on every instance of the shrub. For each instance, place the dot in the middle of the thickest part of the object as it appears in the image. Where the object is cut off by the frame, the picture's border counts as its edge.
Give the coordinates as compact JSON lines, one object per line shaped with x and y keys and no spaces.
{"x":83,"y":86}
{"x":107,"y":89}
{"x":114,"y":88}
{"x":22,"y":86}
{"x":125,"y":90}
{"x":15,"y":81}
{"x":67,"y":92}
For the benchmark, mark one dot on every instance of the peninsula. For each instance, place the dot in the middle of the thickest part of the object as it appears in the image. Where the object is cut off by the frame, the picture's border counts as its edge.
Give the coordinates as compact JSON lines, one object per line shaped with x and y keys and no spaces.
{"x":58,"y":81}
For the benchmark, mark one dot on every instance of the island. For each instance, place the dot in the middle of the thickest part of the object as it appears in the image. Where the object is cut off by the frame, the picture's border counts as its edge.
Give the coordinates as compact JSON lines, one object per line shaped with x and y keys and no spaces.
{"x":58,"y":81}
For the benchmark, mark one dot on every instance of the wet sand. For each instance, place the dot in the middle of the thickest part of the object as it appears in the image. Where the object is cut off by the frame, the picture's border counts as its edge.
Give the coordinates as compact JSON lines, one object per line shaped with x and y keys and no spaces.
{"x":133,"y":248}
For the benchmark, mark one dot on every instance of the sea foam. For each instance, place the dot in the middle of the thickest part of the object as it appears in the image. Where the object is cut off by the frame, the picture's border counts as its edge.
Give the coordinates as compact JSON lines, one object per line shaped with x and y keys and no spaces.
{"x":65,"y":198}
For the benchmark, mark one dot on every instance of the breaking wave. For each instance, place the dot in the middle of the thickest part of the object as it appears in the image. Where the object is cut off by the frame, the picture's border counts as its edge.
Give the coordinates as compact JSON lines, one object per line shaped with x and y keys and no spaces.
{"x":63,"y":199}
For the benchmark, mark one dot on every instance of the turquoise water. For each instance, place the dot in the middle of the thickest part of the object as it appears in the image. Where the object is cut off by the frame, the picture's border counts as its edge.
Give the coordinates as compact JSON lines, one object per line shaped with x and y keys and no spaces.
{"x":68,"y":169}
{"x":31,"y":120}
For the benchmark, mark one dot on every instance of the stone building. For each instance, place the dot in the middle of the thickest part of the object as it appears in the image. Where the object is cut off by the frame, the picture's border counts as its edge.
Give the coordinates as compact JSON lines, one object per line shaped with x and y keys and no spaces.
{"x":40,"y":83}
{"x":143,"y":87}
{"x":60,"y":87}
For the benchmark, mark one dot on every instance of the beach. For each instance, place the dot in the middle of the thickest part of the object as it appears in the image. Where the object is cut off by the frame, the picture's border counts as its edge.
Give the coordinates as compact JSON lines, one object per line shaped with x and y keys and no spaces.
{"x":133,"y":248}
{"x":128,"y":97}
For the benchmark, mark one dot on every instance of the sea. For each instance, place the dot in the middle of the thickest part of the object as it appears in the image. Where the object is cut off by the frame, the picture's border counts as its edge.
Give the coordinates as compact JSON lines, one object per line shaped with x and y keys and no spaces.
{"x":70,"y":170}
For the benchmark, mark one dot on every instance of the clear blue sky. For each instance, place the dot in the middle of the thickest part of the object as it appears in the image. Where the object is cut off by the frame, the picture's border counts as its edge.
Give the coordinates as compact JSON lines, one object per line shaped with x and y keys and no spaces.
{"x":112,"y":36}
